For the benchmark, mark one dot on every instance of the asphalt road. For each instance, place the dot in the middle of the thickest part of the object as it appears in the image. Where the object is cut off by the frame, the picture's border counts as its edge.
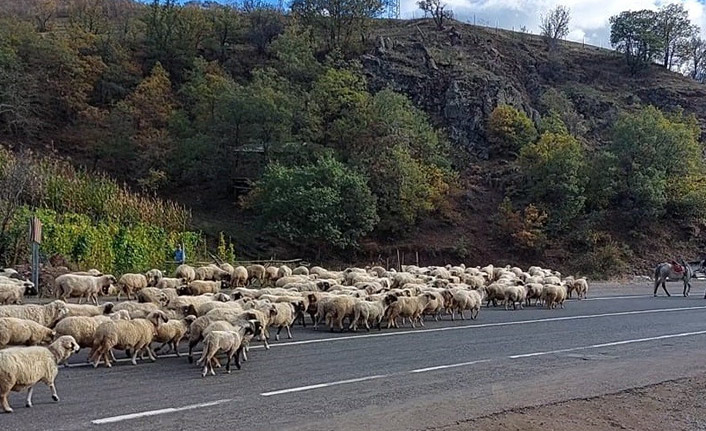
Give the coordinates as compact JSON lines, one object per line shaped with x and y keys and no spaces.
{"x":401,"y":379}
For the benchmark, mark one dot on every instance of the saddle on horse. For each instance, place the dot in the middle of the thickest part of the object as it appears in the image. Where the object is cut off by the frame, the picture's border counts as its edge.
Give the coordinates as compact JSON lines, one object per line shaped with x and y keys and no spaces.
{"x":676,"y":267}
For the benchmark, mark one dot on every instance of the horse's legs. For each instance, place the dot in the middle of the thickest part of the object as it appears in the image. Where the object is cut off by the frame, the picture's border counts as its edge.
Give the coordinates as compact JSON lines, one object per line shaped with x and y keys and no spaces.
{"x":657,"y":286}
{"x":664,"y":286}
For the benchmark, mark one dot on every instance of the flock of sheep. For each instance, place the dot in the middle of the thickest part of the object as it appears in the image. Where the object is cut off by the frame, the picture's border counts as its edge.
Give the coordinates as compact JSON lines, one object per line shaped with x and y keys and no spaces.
{"x":225,"y":308}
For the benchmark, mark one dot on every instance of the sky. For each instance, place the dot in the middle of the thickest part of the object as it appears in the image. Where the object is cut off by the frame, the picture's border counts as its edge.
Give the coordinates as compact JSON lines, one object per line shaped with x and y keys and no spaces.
{"x":589,"y":17}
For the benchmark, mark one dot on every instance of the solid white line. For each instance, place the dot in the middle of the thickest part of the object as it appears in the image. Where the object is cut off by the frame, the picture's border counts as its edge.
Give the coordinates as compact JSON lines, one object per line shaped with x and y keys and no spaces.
{"x":481,"y":325}
{"x":603,"y":298}
{"x":443,"y":367}
{"x":614,"y":343}
{"x":323,"y":385}
{"x":120,"y":418}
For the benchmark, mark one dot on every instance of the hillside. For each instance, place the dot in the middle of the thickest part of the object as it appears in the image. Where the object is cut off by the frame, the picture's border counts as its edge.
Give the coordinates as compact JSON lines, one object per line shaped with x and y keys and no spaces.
{"x":404,"y":112}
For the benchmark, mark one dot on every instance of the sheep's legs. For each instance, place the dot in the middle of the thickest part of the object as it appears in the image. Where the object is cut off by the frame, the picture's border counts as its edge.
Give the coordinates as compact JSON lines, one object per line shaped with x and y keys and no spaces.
{"x":29,"y":397}
{"x":133,"y":360}
{"x":150,"y":353}
{"x":5,"y":404}
{"x":277,"y":334}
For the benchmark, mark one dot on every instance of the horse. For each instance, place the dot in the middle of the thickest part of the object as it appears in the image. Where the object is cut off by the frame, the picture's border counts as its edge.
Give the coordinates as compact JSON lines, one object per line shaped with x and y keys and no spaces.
{"x":666,"y":270}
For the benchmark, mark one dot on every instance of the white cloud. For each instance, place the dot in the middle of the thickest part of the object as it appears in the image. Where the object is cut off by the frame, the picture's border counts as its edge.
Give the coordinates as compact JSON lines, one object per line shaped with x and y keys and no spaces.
{"x":589,"y":17}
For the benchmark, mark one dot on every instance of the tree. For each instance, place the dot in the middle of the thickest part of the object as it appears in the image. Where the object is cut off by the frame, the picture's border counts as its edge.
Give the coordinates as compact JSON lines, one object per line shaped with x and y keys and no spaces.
{"x":337,"y":19}
{"x":674,"y":28}
{"x":694,"y":52}
{"x":437,"y":10}
{"x":322,"y":204}
{"x":43,"y":11}
{"x":266,"y":23}
{"x":553,"y":170}
{"x":636,"y":35}
{"x":509,"y":130}
{"x":554,"y":26}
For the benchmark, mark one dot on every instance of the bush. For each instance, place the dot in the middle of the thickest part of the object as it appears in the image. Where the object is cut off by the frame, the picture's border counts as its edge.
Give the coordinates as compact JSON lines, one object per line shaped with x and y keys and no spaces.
{"x":318,"y":204}
{"x":509,"y":130}
{"x":524,"y":229}
{"x":553,"y":168}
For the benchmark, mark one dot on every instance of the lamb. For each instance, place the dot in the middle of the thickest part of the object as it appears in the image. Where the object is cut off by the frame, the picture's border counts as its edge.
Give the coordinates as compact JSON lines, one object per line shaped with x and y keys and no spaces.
{"x":553,"y":294}
{"x":153,"y":295}
{"x":130,"y":283}
{"x":406,"y":307}
{"x":515,"y":295}
{"x":153,"y":276}
{"x":256,"y":272}
{"x":271,"y":274}
{"x":367,"y":313}
{"x":11,"y":293}
{"x":234,"y":317}
{"x":230,"y":342}
{"x":24,"y":367}
{"x":172,"y":332}
{"x":170,"y":283}
{"x":89,"y":310}
{"x":46,"y":315}
{"x":14,"y":331}
{"x":136,"y":335}
{"x":188,"y":273}
{"x":82,"y":286}
{"x":239,"y":276}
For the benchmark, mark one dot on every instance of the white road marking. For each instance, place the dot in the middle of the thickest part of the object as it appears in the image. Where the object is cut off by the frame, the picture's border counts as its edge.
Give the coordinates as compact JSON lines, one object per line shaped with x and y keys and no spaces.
{"x":481,"y":325}
{"x":121,"y":418}
{"x":481,"y":361}
{"x":323,"y":385}
{"x":603,"y":298}
{"x":614,"y":343}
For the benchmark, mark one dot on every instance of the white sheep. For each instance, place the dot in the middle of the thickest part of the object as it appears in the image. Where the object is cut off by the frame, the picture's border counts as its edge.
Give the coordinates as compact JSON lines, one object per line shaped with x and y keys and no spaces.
{"x":284,"y":318}
{"x":256,"y":272}
{"x":14,"y":331}
{"x":11,"y":293}
{"x":554,"y":294}
{"x":172,"y":332}
{"x":83,"y":328}
{"x":153,"y":295}
{"x":82,"y":286}
{"x":89,"y":310}
{"x":153,"y":276}
{"x":188,"y":273}
{"x":46,"y":315}
{"x":367,"y":313}
{"x":24,"y":367}
{"x":131,"y":283}
{"x":199,"y":287}
{"x":284,"y":271}
{"x":231,"y":342}
{"x":515,"y":295}
{"x":300,"y":270}
{"x":239,"y":276}
{"x":405,"y":307}
{"x":135,"y":335}
{"x":170,"y":283}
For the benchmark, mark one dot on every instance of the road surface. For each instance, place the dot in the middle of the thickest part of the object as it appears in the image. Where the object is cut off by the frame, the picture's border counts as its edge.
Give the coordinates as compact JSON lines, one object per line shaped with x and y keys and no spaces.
{"x":444,"y":374}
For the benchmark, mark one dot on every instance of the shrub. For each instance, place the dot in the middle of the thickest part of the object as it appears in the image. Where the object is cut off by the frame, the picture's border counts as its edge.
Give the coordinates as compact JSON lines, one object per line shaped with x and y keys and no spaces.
{"x":509,"y":130}
{"x":321,"y":203}
{"x":525,"y":229}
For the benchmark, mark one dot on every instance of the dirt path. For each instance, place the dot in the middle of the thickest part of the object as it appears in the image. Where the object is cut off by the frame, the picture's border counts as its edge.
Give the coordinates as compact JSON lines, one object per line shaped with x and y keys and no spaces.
{"x":676,"y":405}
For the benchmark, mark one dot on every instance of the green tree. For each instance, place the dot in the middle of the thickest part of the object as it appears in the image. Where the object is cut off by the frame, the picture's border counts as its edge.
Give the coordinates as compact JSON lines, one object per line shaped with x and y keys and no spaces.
{"x":660,"y":163}
{"x":636,"y":35}
{"x":554,"y":171}
{"x":295,"y":55}
{"x":674,"y":29}
{"x":324,"y":203}
{"x":509,"y":130}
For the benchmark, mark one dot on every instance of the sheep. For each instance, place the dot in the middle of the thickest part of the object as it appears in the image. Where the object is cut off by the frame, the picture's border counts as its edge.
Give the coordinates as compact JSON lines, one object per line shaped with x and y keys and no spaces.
{"x":300,"y":270}
{"x":46,"y":315}
{"x":494,"y":292}
{"x":534,"y":291}
{"x":182,"y":302}
{"x":83,"y":328}
{"x":89,"y":310}
{"x":335,"y":309}
{"x":82,"y":286}
{"x":14,"y":331}
{"x":239,"y":276}
{"x":271,"y":274}
{"x":406,"y":307}
{"x":136,"y":309}
{"x":234,"y":317}
{"x":153,"y":295}
{"x":227,"y":267}
{"x":9,"y":272}
{"x":24,"y":367}
{"x":284,"y":271}
{"x":367,"y":313}
{"x":136,"y":335}
{"x":204,"y":308}
{"x":581,"y":287}
{"x":153,"y":276}
{"x":199,"y":287}
{"x":91,"y":272}
{"x":282,"y":282}
{"x":515,"y":295}
{"x":230,"y":342}
{"x":286,"y":313}
{"x":265,"y":312}
{"x":11,"y":293}
{"x":188,"y":273}
{"x":553,"y":294}
{"x":435,"y":306}
{"x":211,"y":272}
{"x":172,"y":332}
{"x":256,"y":272}
{"x":170,"y":283}
{"x":460,"y":300}
{"x":131,"y":283}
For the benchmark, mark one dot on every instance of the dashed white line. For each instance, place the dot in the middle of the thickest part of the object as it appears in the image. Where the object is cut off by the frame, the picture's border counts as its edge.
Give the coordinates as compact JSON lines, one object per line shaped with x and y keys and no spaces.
{"x":121,"y":418}
{"x":443,"y":367}
{"x":323,"y":385}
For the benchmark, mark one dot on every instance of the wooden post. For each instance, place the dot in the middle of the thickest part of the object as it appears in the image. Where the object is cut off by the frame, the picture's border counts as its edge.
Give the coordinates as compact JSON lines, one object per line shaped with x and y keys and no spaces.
{"x":417,"y":255}
{"x":35,"y":238}
{"x":399,"y":262}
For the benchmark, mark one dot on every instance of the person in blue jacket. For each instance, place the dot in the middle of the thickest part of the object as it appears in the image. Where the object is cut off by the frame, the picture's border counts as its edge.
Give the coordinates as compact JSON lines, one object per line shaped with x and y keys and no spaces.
{"x":179,"y":255}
